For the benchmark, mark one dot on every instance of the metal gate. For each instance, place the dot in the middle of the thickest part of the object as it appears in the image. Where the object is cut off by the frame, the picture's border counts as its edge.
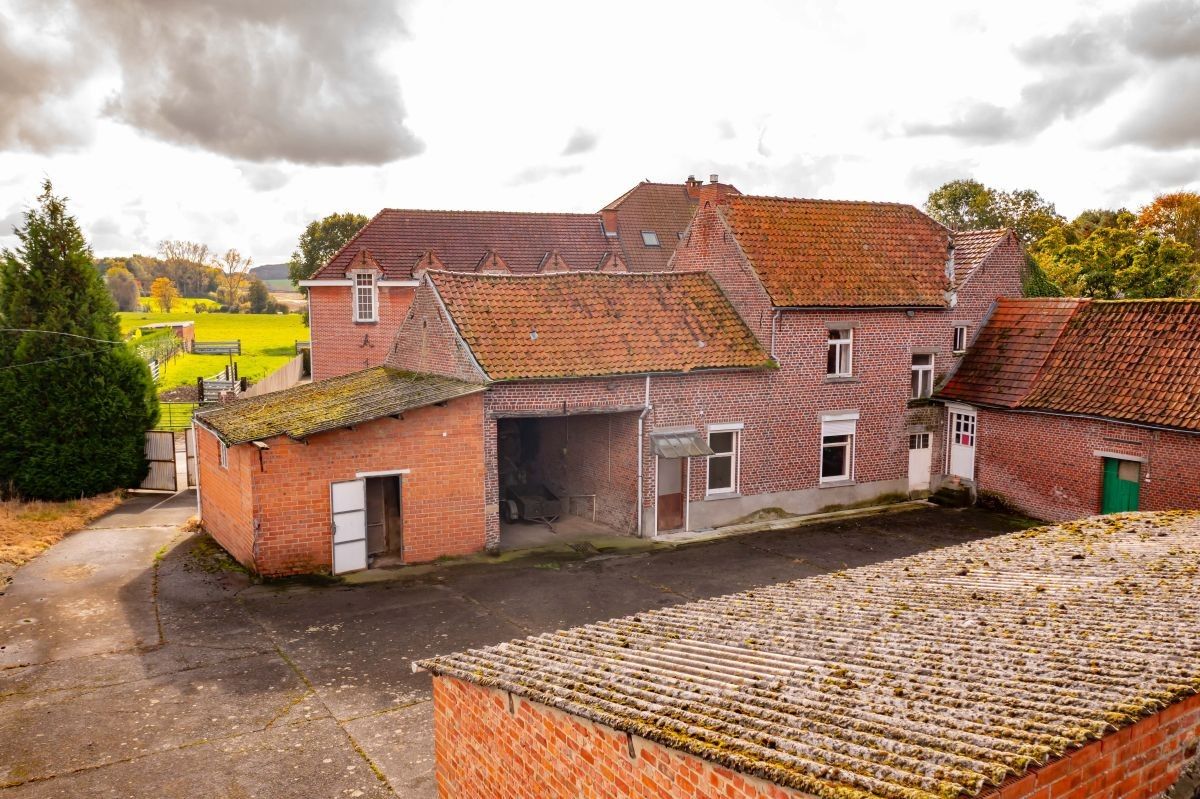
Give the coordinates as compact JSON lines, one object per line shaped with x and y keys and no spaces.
{"x":189,"y":447}
{"x":160,"y":452}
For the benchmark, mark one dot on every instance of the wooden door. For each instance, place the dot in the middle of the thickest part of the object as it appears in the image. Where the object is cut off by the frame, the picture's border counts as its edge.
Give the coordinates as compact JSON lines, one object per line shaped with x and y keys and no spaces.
{"x":671,"y":482}
{"x":1122,"y":482}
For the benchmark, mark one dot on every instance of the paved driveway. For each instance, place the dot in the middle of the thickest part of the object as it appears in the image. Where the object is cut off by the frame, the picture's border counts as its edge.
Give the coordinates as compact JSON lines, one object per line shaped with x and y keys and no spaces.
{"x":133,"y":664}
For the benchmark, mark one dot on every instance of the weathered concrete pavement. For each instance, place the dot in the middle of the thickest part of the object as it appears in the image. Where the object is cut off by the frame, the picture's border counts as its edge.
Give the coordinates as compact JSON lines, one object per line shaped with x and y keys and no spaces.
{"x":133,"y":664}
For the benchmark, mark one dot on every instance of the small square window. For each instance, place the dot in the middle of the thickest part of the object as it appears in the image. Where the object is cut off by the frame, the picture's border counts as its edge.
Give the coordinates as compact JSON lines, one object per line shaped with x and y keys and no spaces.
{"x":960,"y":338}
{"x":922,"y":376}
{"x":840,"y":359}
{"x":837,"y":455}
{"x":723,"y":463}
{"x":650,"y":238}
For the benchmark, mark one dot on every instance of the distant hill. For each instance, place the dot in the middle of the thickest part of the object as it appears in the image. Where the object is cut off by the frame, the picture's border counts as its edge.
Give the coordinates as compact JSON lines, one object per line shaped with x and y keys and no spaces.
{"x":267,"y":272}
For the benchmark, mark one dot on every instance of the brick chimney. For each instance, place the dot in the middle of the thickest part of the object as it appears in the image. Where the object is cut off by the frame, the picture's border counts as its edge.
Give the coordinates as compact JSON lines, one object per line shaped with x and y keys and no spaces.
{"x":693,"y":186}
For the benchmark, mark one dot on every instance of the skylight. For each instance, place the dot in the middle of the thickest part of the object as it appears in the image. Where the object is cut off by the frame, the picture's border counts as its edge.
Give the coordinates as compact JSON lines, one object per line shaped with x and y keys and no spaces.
{"x":650,"y":238}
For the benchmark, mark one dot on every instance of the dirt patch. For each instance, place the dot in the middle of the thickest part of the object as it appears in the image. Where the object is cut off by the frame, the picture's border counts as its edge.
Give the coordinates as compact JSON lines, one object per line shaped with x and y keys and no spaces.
{"x":178,"y":394}
{"x":27,"y":528}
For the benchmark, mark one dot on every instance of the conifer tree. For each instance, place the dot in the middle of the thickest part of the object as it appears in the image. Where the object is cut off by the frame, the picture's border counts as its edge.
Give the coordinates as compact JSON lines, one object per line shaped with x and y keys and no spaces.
{"x":75,"y":402}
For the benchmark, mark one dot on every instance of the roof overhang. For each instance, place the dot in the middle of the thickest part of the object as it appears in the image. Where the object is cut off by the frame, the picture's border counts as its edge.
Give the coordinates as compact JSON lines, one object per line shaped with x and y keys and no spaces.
{"x":680,"y":444}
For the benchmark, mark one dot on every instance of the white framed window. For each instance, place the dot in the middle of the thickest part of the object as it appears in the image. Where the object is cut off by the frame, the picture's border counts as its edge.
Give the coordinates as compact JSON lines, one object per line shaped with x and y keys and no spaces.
{"x":650,"y":238}
{"x":724,"y":464}
{"x":837,"y":447}
{"x":960,"y":338}
{"x":840,"y":360}
{"x":964,"y":429}
{"x":918,"y":441}
{"x":922,"y":376}
{"x":365,"y":297}
{"x":223,"y":451}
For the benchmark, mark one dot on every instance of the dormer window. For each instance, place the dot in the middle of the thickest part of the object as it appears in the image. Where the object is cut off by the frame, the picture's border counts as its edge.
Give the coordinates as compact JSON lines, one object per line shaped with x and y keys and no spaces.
{"x":366,"y":299}
{"x":650,"y":238}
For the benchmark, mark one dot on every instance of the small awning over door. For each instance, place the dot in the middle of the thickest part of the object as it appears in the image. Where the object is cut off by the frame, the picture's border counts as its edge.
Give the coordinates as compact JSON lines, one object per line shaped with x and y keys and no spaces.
{"x":680,"y":444}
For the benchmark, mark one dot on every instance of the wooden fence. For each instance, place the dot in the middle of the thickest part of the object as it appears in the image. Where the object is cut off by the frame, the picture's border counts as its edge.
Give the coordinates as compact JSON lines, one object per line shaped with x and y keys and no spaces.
{"x":285,"y":376}
{"x":224,"y":382}
{"x":217,"y":347}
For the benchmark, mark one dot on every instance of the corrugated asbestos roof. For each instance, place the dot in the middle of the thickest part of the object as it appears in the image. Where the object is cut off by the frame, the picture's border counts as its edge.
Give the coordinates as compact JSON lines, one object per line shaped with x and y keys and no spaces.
{"x":1128,"y":360}
{"x":329,"y":404}
{"x":833,"y":253}
{"x":934,"y":676}
{"x":589,"y":324}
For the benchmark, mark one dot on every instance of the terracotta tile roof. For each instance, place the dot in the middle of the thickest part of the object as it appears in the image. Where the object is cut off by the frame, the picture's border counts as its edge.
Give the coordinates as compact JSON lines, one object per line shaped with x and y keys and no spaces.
{"x":664,"y":208}
{"x":972,"y":246}
{"x":587,"y":324}
{"x":467,"y":241}
{"x":1007,"y":354}
{"x":1136,"y":360}
{"x":830,"y":253}
{"x":312,"y":408}
{"x":934,"y":676}
{"x":1130,"y":360}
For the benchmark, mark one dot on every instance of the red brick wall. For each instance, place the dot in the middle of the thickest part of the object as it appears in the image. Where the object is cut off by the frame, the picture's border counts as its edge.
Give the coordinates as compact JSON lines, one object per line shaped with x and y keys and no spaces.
{"x":442,"y":500}
{"x":1061,"y":478}
{"x":999,"y":275}
{"x":602,"y":460}
{"x":485,"y":750}
{"x":339,"y":344}
{"x":1137,"y":762}
{"x":428,"y":342}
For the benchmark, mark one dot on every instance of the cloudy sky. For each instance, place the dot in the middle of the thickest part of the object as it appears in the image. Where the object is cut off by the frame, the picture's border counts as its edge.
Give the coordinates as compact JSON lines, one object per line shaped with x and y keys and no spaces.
{"x":235,"y":123}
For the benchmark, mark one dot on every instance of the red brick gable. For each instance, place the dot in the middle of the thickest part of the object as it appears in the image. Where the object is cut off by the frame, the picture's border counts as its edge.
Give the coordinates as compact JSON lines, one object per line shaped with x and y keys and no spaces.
{"x":589,"y":324}
{"x":1009,"y":351}
{"x":832,"y":253}
{"x":466,"y":241}
{"x":971,"y":247}
{"x":663,"y":208}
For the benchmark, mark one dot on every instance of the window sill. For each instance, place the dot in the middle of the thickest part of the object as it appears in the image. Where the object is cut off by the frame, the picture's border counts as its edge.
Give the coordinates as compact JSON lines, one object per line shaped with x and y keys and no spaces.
{"x":723,"y":495}
{"x":957,"y":353}
{"x":841,"y":379}
{"x":923,"y":402}
{"x":366,"y":321}
{"x":837,"y":483}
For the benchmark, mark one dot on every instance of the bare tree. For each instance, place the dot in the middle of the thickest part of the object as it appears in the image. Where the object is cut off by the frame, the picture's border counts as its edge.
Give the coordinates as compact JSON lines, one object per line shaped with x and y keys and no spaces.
{"x":188,"y":252}
{"x":235,"y":268}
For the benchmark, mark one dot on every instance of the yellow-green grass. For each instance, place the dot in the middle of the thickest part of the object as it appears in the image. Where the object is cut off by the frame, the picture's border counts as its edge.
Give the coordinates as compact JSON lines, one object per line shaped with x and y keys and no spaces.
{"x":268,"y":342}
{"x":27,"y":528}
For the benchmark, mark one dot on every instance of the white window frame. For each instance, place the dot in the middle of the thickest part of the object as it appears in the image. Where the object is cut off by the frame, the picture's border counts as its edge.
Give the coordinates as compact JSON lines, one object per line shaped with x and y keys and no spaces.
{"x":834,"y":425}
{"x":223,"y":453}
{"x":647,"y":235}
{"x":356,"y":299}
{"x":960,"y":338}
{"x":925,"y":372}
{"x":735,"y":456}
{"x":844,"y":357}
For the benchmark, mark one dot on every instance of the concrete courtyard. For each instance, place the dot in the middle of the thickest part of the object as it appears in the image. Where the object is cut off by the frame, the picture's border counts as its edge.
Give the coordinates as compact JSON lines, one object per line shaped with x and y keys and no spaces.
{"x":135,"y":662}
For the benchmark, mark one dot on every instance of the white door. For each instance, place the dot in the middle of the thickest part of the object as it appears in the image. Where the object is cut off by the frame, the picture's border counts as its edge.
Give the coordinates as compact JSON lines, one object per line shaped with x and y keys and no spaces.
{"x":920,"y":461}
{"x":962,"y":444}
{"x":348,"y":502}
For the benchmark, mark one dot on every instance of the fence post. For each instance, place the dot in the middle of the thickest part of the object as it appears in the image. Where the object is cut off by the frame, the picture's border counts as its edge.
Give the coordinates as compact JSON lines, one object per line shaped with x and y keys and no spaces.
{"x":200,"y":389}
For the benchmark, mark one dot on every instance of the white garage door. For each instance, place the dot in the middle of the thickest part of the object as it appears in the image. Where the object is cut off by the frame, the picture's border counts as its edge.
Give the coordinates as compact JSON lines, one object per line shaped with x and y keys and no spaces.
{"x":348,"y":501}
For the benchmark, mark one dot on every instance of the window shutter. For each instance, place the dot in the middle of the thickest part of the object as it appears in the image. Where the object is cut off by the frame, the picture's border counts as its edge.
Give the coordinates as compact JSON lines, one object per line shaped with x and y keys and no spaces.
{"x":840,"y":427}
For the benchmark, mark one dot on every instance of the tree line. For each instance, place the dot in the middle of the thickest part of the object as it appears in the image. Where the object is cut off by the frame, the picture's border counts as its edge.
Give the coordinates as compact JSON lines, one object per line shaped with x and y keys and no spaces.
{"x":1104,"y":253}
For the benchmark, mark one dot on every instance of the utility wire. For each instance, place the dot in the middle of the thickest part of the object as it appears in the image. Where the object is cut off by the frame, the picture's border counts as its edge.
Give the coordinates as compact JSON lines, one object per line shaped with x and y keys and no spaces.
{"x":51,"y":360}
{"x":56,"y":333}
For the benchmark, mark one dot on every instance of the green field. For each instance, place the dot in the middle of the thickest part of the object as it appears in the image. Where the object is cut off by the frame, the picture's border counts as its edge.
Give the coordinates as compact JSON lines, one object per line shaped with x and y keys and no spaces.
{"x":268,"y":342}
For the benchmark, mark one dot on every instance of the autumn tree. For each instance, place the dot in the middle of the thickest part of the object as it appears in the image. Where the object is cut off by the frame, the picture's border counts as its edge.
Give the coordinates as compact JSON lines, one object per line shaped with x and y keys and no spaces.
{"x":319,"y":242}
{"x":75,"y":402}
{"x":124,"y":288}
{"x":1176,"y":215}
{"x":190,"y":265}
{"x":165,"y":294}
{"x":235,"y":269}
{"x":259,"y":297}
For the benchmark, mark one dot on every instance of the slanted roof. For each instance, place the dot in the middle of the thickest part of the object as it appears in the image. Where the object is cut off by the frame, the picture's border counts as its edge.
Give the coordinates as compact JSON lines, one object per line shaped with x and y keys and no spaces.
{"x":579,"y":324}
{"x":1128,"y":360}
{"x":461,"y":241}
{"x":930,"y":677}
{"x":329,"y":404}
{"x":833,"y":253}
{"x":665,"y":208}
{"x":971,"y":247}
{"x":1007,"y":354}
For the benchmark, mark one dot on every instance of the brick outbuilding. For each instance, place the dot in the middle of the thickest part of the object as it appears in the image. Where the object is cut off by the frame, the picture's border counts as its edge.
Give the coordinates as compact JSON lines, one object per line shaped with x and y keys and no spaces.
{"x":1069,"y":407}
{"x":378,"y":464}
{"x":1056,"y":662}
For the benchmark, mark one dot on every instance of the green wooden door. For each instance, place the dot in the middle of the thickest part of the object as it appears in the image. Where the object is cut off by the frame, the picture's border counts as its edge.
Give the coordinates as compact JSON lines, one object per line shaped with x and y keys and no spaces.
{"x":1121,"y":482}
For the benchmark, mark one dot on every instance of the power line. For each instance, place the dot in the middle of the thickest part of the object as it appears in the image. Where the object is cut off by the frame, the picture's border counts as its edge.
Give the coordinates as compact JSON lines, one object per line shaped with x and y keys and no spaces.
{"x":52,"y":360}
{"x":56,"y":333}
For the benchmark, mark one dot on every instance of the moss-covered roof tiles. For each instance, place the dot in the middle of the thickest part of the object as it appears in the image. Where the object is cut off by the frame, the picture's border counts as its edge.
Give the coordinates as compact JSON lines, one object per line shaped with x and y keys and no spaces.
{"x":329,"y":404}
{"x":938,"y":675}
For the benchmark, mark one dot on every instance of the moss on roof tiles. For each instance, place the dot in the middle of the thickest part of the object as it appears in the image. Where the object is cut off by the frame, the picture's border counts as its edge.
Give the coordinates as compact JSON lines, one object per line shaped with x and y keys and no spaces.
{"x":329,"y":404}
{"x":938,"y":675}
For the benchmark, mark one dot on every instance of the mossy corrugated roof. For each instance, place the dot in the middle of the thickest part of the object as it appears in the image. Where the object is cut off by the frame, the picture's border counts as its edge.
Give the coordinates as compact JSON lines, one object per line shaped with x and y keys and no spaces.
{"x":929,"y":677}
{"x":358,"y":397}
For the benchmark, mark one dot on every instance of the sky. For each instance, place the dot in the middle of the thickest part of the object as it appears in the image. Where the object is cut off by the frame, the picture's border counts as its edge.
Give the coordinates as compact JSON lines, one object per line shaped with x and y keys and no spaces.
{"x":236,"y":123}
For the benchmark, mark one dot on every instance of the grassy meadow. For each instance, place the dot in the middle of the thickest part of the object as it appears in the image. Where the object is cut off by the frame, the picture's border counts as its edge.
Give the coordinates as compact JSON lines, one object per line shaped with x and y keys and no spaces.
{"x":268,"y":342}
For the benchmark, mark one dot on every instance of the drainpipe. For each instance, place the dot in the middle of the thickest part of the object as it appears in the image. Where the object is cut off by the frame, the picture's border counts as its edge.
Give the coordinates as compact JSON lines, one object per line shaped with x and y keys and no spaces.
{"x":774,"y":325}
{"x":196,"y":455}
{"x":641,"y":470}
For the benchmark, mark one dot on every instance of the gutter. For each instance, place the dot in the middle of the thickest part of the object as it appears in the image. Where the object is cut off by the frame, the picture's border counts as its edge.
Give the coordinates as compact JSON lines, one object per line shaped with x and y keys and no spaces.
{"x":641,"y":469}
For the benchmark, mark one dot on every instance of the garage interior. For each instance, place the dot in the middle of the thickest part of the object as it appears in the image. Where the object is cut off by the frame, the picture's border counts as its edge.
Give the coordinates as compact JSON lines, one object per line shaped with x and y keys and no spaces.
{"x":565,"y":478}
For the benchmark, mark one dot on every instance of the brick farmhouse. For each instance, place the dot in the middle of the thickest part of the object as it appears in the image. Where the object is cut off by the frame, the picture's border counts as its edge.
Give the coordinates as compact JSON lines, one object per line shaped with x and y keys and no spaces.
{"x":1068,"y":407}
{"x":782,"y":364}
{"x":1058,"y":662}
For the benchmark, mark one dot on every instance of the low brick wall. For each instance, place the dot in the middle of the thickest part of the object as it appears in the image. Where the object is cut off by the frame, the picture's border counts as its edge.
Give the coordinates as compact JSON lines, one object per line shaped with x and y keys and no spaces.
{"x":488,"y":744}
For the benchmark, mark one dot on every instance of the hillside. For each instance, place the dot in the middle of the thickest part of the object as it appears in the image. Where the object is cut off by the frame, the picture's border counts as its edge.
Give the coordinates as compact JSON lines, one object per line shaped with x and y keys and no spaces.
{"x":267,"y":272}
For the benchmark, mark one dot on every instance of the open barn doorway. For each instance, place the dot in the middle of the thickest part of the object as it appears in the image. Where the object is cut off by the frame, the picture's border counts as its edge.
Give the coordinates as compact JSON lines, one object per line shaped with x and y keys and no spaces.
{"x":566,"y":478}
